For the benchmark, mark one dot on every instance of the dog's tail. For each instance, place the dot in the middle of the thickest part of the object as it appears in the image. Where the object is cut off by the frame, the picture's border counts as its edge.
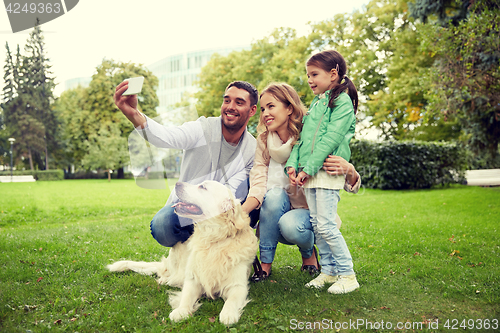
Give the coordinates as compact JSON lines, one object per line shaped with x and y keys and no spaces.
{"x":142,"y":267}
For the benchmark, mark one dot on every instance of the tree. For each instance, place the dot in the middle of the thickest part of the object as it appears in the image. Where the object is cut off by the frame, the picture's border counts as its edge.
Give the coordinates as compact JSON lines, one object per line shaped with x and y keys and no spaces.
{"x":69,"y":109}
{"x":106,"y":149}
{"x":446,"y":11}
{"x":381,"y":49}
{"x":26,"y":101}
{"x":42,"y":85}
{"x":92,"y":121}
{"x":8,"y":93}
{"x":380,"y":45}
{"x":465,"y":80}
{"x":18,"y":107}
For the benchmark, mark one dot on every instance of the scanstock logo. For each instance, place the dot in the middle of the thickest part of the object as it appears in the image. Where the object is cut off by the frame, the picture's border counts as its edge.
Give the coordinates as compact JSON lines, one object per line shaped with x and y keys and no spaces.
{"x":25,"y":14}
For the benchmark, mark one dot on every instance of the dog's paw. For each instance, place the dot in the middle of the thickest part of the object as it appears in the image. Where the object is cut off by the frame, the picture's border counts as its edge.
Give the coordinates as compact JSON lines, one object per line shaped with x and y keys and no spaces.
{"x":229,"y":317}
{"x":179,"y":314}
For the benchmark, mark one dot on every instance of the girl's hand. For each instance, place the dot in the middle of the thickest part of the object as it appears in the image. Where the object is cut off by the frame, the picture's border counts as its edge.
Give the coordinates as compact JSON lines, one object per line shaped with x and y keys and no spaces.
{"x":302,"y":178}
{"x":291,"y":176}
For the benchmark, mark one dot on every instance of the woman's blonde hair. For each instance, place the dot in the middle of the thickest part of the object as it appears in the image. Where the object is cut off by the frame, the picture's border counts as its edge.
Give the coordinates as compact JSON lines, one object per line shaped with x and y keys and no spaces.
{"x":285,"y":93}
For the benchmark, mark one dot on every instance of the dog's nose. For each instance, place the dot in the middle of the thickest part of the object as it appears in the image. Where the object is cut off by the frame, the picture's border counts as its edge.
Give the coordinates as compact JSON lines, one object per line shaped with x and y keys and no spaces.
{"x":179,"y":186}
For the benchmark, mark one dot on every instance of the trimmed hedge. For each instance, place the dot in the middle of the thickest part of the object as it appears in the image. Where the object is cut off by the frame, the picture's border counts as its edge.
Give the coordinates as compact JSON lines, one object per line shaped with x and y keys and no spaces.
{"x":49,"y":175}
{"x":17,"y":173}
{"x":96,"y":175}
{"x":408,"y":164}
{"x":37,"y":174}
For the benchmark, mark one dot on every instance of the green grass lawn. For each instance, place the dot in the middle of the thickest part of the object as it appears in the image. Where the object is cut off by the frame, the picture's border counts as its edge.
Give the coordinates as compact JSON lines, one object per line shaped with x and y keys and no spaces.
{"x":420,"y":256}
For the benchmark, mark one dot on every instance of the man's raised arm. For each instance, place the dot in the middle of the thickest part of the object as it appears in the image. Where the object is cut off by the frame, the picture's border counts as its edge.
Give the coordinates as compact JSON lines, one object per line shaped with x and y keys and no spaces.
{"x":128,"y":106}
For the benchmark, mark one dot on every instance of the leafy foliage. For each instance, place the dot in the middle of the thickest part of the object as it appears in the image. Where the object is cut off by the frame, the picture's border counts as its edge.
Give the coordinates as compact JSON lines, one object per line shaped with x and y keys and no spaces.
{"x":42,"y":175}
{"x":380,"y":46}
{"x":106,"y":149}
{"x":384,"y":51}
{"x":26,"y":101}
{"x":95,"y":130}
{"x":464,"y":84}
{"x":408,"y":165}
{"x":446,"y":11}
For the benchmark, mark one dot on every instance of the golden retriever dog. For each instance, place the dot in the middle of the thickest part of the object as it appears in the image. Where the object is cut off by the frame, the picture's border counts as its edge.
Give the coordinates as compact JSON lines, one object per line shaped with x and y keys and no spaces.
{"x":215,"y":261}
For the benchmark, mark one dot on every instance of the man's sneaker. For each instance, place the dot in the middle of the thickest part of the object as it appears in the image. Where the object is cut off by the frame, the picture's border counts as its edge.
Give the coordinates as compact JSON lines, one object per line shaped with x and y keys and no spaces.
{"x":345,"y":284}
{"x":321,"y":279}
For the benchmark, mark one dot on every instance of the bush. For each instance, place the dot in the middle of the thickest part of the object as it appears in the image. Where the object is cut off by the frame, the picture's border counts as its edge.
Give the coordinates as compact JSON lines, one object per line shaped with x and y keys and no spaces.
{"x":96,"y":175}
{"x":17,"y":173}
{"x":87,"y":175}
{"x":37,"y":174}
{"x":476,"y":162}
{"x":49,"y":175}
{"x":408,"y":165}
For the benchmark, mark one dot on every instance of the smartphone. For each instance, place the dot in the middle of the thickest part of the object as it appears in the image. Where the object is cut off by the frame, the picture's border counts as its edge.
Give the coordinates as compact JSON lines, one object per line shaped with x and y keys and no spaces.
{"x":134,"y":85}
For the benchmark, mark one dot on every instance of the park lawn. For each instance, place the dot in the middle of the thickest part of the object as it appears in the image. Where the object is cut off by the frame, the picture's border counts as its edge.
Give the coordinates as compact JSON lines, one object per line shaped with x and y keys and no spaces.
{"x":420,"y":256}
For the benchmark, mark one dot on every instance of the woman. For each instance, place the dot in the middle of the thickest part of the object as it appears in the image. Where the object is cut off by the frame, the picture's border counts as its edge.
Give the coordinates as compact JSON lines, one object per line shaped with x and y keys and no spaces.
{"x":284,"y":216}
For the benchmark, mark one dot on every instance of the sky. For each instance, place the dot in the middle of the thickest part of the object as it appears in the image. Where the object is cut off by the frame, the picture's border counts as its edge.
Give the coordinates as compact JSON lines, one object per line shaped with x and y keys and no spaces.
{"x":144,"y":32}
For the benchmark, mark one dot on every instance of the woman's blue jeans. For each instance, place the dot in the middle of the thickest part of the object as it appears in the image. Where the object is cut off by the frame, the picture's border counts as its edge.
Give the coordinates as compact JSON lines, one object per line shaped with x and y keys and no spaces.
{"x":280,"y":224}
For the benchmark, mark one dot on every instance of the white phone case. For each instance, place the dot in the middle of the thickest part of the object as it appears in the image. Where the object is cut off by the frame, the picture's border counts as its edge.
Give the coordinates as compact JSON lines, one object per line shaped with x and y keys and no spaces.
{"x":134,"y":85}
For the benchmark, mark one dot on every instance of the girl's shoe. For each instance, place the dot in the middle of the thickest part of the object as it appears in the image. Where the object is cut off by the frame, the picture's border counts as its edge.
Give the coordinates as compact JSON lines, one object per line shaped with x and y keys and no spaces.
{"x":345,"y":284}
{"x":320,"y":281}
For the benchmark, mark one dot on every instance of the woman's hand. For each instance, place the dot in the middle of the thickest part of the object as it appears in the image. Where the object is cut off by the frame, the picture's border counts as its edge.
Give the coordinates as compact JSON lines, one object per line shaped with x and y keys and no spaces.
{"x":250,"y":204}
{"x":338,"y":166}
{"x":291,"y":176}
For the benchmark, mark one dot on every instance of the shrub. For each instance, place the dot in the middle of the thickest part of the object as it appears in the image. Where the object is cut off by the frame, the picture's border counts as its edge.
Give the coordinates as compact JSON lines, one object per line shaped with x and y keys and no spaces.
{"x":49,"y":174}
{"x":17,"y":173}
{"x":408,"y":165}
{"x":37,"y":174}
{"x":96,"y":175}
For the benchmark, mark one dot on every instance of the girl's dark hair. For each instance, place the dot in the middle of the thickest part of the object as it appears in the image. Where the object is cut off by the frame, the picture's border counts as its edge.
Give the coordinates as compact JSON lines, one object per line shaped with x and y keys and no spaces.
{"x":328,"y":60}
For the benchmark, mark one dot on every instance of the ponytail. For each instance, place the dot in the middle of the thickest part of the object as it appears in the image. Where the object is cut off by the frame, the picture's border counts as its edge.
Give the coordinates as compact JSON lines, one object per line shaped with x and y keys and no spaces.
{"x":345,"y":84}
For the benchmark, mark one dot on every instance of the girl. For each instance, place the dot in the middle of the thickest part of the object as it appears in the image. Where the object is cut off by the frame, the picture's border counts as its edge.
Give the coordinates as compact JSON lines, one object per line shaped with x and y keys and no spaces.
{"x":328,"y":128}
{"x":284,"y":216}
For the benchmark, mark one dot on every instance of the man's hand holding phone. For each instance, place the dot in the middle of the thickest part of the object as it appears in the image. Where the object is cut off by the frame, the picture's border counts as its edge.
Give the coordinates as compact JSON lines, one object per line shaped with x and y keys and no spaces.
{"x":126,"y":100}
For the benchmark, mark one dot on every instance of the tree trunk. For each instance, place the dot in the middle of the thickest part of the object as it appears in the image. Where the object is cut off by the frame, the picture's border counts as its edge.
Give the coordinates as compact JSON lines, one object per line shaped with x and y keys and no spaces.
{"x":46,"y":158}
{"x":121,"y":173}
{"x":31,"y":158}
{"x":109,"y":175}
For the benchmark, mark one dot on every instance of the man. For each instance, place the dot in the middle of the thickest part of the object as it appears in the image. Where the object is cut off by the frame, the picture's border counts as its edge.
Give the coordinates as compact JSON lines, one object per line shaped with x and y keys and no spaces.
{"x":215,"y":148}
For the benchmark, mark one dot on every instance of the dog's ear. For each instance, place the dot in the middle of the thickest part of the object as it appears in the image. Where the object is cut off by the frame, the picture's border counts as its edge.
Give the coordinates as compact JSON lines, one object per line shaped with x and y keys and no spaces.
{"x":227,"y":205}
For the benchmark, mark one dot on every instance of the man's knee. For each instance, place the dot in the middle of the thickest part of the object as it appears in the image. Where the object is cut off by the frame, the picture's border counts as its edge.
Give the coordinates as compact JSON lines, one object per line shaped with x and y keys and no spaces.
{"x":167,"y":230}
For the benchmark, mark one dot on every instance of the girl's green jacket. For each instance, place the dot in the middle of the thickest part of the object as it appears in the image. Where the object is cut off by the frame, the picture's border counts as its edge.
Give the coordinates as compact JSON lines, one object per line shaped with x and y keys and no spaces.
{"x":326,"y":131}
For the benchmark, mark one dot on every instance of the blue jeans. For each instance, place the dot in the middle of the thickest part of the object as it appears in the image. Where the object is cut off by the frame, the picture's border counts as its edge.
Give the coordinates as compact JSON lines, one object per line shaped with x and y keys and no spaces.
{"x":280,"y":224}
{"x":335,"y":256}
{"x":168,"y":230}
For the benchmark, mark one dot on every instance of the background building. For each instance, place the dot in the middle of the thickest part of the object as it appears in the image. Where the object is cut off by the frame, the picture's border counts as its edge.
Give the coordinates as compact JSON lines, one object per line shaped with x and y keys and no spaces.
{"x":79,"y":81}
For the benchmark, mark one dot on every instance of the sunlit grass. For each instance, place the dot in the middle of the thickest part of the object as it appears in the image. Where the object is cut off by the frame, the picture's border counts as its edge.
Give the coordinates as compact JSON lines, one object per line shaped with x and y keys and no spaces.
{"x":419,"y":256}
